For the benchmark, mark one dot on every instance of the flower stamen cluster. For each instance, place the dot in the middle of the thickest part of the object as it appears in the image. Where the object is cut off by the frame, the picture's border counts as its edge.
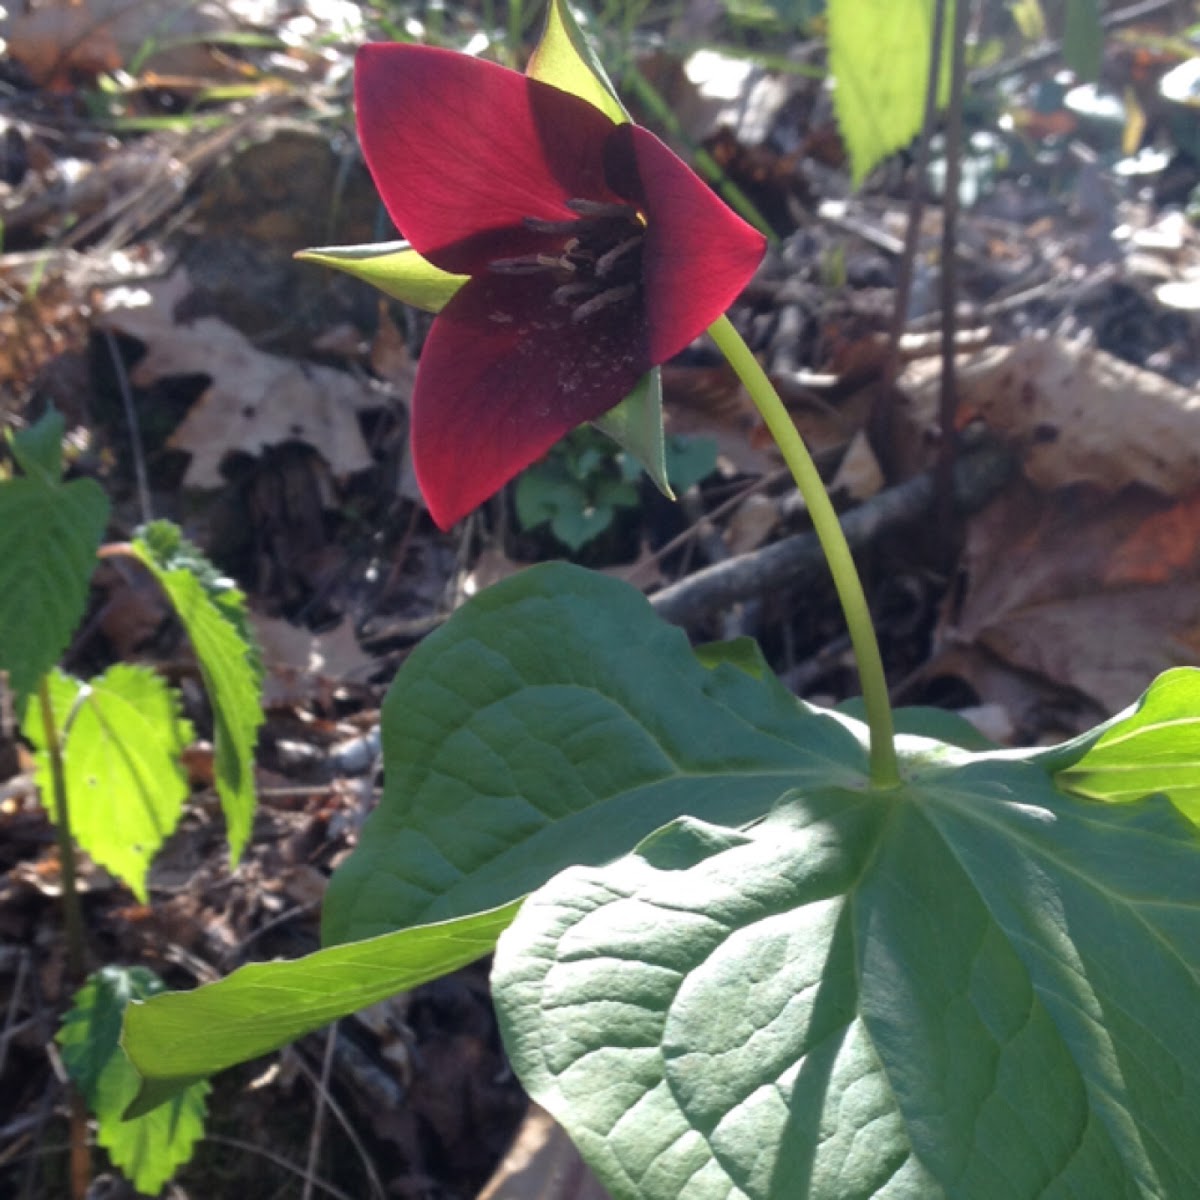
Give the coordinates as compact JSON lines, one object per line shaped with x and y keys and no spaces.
{"x":598,"y":265}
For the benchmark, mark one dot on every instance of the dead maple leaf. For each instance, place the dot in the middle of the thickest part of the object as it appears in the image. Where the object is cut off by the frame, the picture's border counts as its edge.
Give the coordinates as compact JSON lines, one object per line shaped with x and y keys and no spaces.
{"x":1094,"y":592}
{"x":255,"y":399}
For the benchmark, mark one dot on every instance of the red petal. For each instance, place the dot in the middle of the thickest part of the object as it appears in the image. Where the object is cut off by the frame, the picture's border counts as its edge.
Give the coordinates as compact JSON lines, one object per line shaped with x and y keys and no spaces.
{"x":504,"y":374}
{"x":461,"y":150}
{"x":698,"y":253}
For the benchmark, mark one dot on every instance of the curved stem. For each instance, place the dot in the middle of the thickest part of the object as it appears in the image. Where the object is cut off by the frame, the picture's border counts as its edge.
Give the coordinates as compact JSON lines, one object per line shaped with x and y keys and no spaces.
{"x":884,"y":772}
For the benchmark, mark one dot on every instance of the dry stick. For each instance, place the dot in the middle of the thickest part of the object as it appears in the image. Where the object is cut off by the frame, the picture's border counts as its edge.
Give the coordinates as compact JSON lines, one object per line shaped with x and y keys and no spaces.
{"x":916,"y":201}
{"x":343,"y":1119}
{"x":135,"y":432}
{"x":948,"y":399}
{"x":284,"y":1164}
{"x":798,"y":561}
{"x":81,"y":1164}
{"x":1052,"y":49}
{"x":318,"y":1126}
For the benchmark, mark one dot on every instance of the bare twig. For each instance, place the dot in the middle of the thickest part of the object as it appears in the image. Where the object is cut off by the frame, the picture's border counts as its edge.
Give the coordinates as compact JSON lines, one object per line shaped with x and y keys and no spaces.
{"x":797,"y":561}
{"x":948,"y":403}
{"x":135,"y":432}
{"x":916,"y":200}
{"x":318,"y":1125}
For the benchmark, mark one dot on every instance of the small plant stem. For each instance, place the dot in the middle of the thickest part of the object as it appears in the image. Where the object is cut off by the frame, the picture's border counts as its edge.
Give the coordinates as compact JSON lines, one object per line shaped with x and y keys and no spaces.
{"x":883,"y":768}
{"x":81,"y":1164}
{"x":72,"y":915}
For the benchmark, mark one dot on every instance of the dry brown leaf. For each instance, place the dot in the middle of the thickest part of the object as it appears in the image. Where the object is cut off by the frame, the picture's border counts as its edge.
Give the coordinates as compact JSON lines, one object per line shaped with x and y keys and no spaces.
{"x":542,"y":1164}
{"x":859,"y":475}
{"x":1097,"y":593}
{"x":302,"y":665}
{"x":255,"y":399}
{"x":1081,"y":415}
{"x":60,"y":42}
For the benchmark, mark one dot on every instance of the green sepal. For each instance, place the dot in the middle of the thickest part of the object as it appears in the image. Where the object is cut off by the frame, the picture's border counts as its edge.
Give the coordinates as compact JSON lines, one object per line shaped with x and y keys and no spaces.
{"x":395,"y":268}
{"x":636,"y":425}
{"x":564,"y":59}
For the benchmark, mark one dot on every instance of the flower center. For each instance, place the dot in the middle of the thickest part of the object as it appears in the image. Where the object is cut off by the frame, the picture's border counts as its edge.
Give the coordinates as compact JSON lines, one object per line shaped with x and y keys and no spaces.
{"x":597,"y":263}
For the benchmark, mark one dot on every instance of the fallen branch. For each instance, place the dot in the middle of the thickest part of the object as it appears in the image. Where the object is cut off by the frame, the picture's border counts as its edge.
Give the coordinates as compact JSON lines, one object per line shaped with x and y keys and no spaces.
{"x":978,"y":477}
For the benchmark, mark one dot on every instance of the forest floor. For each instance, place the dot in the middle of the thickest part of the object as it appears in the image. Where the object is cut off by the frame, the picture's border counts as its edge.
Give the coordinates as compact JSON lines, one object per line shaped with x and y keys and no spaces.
{"x":153,"y":190}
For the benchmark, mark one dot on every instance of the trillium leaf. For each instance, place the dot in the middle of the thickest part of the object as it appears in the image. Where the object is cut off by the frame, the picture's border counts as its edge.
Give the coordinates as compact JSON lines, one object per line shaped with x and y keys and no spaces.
{"x":395,"y":268}
{"x":565,"y":59}
{"x":554,"y":720}
{"x":213,"y":614}
{"x":974,"y":987}
{"x":148,"y":1149}
{"x":879,"y":54}
{"x":122,"y":736}
{"x":636,"y":425}
{"x":49,"y":534}
{"x":1154,"y":747}
{"x":263,"y":1006}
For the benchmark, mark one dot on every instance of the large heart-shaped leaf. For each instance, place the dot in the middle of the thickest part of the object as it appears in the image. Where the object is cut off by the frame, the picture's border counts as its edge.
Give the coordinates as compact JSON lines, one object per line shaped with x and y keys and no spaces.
{"x":556,"y":720}
{"x":975,"y":987}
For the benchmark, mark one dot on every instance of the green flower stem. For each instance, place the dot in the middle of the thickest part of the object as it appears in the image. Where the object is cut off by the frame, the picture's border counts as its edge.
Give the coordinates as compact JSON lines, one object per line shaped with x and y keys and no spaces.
{"x":72,"y":914}
{"x":884,"y":772}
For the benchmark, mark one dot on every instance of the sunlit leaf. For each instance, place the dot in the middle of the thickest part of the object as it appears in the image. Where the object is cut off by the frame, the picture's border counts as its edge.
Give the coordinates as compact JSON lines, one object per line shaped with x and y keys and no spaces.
{"x":263,"y":1006}
{"x":879,"y":55}
{"x":395,"y":268}
{"x":213,"y":613}
{"x":564,"y":58}
{"x":121,"y":737}
{"x":976,"y":987}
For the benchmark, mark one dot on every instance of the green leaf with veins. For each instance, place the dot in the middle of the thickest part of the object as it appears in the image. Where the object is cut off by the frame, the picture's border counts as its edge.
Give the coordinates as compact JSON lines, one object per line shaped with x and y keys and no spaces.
{"x":213,"y":613}
{"x":1153,"y":747}
{"x":49,"y":534}
{"x":879,"y":53}
{"x":150,"y":1148}
{"x":973,"y":987}
{"x":554,"y":720}
{"x":121,"y":737}
{"x":263,"y":1006}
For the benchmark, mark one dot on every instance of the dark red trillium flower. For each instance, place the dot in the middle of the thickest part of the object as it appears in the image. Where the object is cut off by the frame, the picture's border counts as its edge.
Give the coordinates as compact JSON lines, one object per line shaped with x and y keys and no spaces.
{"x":594,"y":254}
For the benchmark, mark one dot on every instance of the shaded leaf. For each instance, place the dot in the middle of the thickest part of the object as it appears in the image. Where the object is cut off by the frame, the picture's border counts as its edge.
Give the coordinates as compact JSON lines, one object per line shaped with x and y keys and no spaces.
{"x":263,"y":1006}
{"x":213,"y":612}
{"x":976,"y":987}
{"x":555,"y":719}
{"x":49,"y":534}
{"x":121,"y":736}
{"x":148,"y":1149}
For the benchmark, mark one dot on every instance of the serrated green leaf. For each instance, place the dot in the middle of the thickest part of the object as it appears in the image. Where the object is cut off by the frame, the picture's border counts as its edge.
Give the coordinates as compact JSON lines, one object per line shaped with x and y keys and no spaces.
{"x":121,"y":737}
{"x":49,"y":534}
{"x":263,"y":1006}
{"x":213,"y":612}
{"x":879,"y":54}
{"x":1154,"y":747}
{"x":147,"y":1150}
{"x":395,"y":268}
{"x":555,"y":719}
{"x":976,"y":987}
{"x":564,"y":59}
